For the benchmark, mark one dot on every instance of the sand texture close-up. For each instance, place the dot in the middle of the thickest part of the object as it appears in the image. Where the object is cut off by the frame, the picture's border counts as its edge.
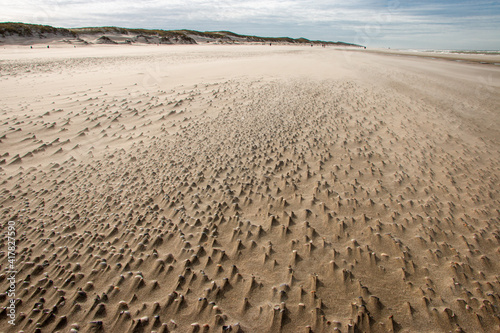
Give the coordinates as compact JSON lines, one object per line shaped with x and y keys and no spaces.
{"x":213,"y":188}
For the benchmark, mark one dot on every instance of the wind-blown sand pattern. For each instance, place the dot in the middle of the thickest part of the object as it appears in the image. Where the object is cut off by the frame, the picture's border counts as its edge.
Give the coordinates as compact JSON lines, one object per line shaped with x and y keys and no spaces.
{"x":249,"y":189}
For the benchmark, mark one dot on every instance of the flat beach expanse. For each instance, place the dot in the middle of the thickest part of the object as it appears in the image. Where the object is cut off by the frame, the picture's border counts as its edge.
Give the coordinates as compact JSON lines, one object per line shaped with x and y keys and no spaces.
{"x":248,"y":188}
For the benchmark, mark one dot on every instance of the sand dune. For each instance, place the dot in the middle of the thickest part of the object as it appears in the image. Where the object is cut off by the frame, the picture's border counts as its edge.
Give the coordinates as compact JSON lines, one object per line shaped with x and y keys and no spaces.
{"x":249,"y":189}
{"x":35,"y":35}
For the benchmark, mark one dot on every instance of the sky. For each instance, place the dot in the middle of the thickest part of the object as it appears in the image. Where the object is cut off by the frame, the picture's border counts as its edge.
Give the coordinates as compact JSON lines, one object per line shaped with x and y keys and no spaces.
{"x":404,"y":24}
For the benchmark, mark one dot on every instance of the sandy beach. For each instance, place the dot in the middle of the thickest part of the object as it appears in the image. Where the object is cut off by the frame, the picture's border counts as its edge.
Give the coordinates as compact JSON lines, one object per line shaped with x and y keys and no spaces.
{"x":246,"y":188}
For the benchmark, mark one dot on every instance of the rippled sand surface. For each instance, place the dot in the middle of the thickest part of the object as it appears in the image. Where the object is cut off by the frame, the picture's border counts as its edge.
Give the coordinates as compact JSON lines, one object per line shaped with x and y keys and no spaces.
{"x":248,"y":189}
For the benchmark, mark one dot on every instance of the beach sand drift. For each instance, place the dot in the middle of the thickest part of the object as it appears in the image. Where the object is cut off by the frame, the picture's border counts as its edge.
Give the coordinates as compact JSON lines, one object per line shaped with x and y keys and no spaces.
{"x":247,"y":189}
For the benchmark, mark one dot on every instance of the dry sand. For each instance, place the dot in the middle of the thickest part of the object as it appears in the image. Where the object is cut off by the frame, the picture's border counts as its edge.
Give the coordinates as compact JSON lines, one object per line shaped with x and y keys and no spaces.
{"x":249,"y":189}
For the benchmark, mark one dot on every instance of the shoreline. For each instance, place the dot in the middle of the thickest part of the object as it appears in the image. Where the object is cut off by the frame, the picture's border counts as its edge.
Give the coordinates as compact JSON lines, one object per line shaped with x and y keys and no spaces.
{"x":481,"y":58}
